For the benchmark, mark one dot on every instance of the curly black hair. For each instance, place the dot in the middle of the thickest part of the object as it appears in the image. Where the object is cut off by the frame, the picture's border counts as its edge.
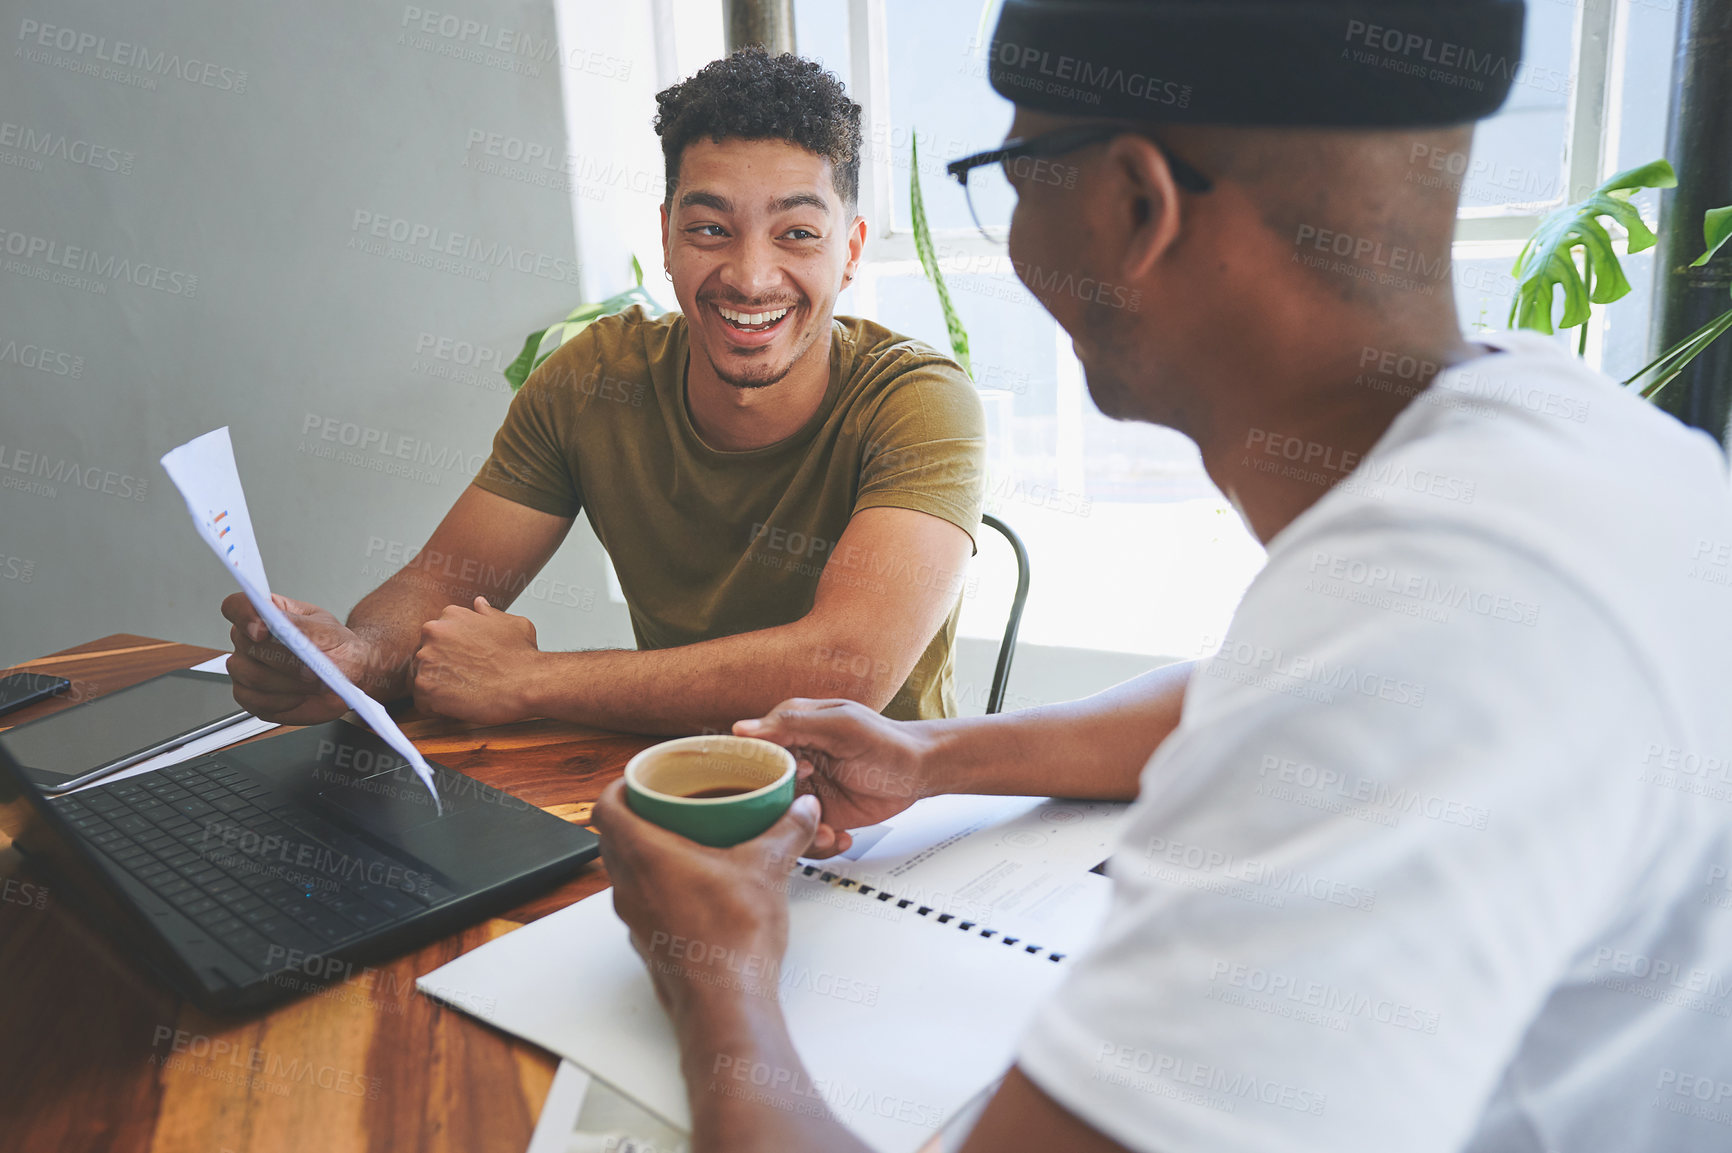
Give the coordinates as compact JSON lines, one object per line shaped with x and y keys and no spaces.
{"x":752,"y":95}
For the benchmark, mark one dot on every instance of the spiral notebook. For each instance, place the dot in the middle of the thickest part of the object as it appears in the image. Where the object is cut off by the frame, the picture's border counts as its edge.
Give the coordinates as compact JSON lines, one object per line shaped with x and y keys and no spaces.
{"x":903,"y":1007}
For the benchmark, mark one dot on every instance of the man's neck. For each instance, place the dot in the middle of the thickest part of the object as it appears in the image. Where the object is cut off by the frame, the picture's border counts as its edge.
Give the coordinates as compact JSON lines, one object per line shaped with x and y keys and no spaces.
{"x":1278,"y":450}
{"x":734,"y":419}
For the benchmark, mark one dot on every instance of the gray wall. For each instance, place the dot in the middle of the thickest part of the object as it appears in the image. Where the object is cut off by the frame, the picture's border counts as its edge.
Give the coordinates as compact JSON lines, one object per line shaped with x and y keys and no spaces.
{"x":212,"y":174}
{"x":302,"y":329}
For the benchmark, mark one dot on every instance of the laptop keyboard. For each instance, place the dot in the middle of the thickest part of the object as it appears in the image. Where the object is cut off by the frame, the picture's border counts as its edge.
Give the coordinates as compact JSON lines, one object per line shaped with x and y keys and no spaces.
{"x":258,"y":876}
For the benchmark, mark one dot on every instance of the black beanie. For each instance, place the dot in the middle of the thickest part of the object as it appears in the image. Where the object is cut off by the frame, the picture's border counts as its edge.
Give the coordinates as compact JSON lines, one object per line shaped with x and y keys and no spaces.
{"x":1349,"y":63}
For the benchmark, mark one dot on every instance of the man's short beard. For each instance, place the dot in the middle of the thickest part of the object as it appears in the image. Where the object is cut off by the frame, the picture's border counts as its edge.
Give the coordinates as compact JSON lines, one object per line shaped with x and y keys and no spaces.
{"x":753,"y":381}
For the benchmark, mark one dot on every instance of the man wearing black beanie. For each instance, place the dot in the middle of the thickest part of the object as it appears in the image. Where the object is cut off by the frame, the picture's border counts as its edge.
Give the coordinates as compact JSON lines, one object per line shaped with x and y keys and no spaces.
{"x":1433,"y":854}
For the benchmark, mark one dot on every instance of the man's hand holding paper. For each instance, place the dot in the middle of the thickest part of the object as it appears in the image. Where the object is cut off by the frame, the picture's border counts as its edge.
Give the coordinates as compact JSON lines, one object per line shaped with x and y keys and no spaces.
{"x":271,"y":682}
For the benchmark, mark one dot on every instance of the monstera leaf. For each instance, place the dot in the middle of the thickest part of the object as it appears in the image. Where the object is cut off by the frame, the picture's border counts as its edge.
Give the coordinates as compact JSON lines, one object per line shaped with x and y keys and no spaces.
{"x":1548,"y":261}
{"x":575,"y":322}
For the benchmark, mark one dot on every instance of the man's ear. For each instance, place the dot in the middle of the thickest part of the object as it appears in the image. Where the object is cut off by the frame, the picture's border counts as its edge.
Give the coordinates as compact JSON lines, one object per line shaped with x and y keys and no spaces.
{"x":667,"y":257}
{"x":1148,"y":210}
{"x":856,"y":247}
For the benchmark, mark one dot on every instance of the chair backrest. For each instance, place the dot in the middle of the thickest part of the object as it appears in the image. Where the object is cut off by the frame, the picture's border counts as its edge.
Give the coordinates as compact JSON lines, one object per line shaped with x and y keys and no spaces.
{"x":1007,"y":648}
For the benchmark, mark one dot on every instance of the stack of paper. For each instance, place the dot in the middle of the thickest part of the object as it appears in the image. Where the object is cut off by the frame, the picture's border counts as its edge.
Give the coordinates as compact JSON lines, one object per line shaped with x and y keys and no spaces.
{"x":901,"y":1020}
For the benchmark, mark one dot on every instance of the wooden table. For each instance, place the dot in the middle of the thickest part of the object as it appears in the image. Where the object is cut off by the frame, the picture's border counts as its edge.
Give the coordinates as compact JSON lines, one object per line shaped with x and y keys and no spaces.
{"x":88,"y":1042}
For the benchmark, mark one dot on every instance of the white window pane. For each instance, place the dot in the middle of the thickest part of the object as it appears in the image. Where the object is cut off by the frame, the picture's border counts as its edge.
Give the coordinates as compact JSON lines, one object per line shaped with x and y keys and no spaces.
{"x":821,"y":34}
{"x":1519,"y":153}
{"x":1132,"y":548}
{"x":938,"y":86}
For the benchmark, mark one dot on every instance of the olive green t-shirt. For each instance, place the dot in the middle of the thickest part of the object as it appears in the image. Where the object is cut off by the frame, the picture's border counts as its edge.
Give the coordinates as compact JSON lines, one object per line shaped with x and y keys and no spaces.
{"x":709,"y":543}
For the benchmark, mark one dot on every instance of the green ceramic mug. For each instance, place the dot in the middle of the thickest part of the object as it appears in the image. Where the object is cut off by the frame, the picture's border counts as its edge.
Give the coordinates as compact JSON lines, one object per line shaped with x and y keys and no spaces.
{"x":717,"y":790}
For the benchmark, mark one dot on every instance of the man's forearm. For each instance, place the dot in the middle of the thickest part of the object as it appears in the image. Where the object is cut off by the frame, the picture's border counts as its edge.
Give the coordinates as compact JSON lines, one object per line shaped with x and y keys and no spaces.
{"x":703,"y":687}
{"x":389,"y":620}
{"x":1094,"y":748}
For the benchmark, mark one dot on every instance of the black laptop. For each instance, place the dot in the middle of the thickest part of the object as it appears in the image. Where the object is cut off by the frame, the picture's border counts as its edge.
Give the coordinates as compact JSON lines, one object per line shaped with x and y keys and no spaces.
{"x":245,"y":876}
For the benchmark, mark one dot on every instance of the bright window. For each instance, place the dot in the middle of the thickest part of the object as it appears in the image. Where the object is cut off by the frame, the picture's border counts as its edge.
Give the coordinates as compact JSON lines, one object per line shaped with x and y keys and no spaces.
{"x":1133,"y":549}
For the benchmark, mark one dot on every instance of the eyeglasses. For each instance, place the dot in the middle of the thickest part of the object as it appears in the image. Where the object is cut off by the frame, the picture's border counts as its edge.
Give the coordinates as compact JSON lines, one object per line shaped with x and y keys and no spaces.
{"x":992,"y":196}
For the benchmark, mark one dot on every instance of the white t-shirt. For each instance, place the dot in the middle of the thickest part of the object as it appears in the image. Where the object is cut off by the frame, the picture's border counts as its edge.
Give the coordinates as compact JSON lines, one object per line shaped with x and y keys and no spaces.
{"x":1440,"y":855}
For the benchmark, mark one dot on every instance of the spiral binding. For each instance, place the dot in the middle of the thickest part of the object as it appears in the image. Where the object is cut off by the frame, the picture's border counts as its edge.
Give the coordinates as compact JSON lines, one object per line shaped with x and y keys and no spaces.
{"x":836,"y":880}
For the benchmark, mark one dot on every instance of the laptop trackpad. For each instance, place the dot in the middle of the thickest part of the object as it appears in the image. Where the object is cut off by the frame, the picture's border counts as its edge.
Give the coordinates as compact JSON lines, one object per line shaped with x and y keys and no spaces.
{"x":385,"y":802}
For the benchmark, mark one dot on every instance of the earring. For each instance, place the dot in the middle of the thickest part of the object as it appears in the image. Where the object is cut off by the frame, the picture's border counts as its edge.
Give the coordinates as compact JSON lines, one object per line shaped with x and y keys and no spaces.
{"x":669,"y":273}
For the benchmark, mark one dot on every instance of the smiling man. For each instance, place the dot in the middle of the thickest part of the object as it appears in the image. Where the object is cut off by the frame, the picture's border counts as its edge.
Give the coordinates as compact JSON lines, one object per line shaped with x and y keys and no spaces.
{"x":788,"y":496}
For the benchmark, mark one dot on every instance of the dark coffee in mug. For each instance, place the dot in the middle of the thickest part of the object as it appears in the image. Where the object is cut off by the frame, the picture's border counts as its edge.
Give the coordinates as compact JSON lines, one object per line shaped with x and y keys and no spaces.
{"x":718,"y":791}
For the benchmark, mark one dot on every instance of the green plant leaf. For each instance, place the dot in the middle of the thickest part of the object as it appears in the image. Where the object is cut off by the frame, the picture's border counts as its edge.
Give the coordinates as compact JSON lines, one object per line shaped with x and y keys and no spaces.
{"x":518,"y":370}
{"x":578,"y":319}
{"x":1663,"y":369}
{"x":929,"y":262}
{"x":1548,"y":261}
{"x":1716,"y":230}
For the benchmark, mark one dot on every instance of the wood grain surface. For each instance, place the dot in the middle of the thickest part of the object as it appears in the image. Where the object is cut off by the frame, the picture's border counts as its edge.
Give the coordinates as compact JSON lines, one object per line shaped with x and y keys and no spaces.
{"x":97,"y":1055}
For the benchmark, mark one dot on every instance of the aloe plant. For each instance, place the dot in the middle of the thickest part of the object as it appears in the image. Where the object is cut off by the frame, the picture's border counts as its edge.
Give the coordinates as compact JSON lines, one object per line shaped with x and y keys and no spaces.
{"x":929,"y":262}
{"x":1663,"y":369}
{"x":575,"y":322}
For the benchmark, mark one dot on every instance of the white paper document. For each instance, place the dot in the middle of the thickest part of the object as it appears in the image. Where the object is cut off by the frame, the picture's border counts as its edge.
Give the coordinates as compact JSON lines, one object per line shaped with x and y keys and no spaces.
{"x":204,"y":472}
{"x":582,"y":1115}
{"x":209,"y":743}
{"x":904,"y":1009}
{"x":900,"y":1021}
{"x":203,"y":469}
{"x":1019,"y":864}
